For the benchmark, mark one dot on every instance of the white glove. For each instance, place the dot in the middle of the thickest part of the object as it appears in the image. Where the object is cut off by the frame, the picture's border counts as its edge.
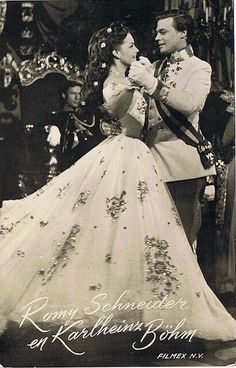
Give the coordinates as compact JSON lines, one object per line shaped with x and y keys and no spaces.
{"x":149,"y":67}
{"x":139,"y":74}
{"x":54,"y":136}
{"x":209,"y":193}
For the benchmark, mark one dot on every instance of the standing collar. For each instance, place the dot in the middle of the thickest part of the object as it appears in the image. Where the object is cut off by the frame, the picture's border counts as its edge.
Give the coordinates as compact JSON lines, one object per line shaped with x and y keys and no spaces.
{"x":68,"y":108}
{"x":181,"y":55}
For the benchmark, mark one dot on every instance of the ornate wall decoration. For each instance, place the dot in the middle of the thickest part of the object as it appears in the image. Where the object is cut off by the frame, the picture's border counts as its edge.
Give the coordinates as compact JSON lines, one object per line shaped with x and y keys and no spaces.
{"x":41,"y":65}
{"x":27,"y":16}
{"x":8,"y":68}
{"x":3,"y":10}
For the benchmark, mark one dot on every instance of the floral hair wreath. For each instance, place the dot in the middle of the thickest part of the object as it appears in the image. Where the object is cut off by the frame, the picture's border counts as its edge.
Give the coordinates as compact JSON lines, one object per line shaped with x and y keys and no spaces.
{"x":103,"y":44}
{"x":110,"y":30}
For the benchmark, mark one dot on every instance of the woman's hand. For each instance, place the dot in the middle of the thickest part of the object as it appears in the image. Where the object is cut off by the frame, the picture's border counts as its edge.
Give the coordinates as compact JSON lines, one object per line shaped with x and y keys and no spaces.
{"x":149,"y":67}
{"x":139,"y":73}
{"x":110,"y":129}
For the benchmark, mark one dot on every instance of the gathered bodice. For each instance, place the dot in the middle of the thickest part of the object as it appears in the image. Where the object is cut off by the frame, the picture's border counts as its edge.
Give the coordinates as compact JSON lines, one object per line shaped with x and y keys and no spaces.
{"x":125,"y":102}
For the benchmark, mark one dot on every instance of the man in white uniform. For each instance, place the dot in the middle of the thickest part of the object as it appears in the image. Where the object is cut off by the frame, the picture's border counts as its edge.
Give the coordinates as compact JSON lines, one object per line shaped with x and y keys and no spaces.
{"x":181,"y":83}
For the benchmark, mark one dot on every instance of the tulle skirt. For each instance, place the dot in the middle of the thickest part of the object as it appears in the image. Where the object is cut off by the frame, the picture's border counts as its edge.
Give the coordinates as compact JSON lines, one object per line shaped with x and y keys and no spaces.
{"x":102,"y":245}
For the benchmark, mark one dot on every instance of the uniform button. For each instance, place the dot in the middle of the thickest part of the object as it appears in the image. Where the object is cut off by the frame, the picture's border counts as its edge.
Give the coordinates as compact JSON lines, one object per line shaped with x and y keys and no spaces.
{"x":150,"y":117}
{"x":151,"y":107}
{"x":159,"y":118}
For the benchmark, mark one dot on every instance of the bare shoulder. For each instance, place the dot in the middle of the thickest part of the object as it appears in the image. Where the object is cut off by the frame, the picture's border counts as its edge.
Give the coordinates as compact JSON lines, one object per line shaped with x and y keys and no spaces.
{"x":110,"y":80}
{"x":113,"y":86}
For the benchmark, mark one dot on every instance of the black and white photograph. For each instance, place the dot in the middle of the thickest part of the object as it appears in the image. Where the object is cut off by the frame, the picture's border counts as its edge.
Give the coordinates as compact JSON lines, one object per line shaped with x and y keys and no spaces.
{"x":117,"y":183}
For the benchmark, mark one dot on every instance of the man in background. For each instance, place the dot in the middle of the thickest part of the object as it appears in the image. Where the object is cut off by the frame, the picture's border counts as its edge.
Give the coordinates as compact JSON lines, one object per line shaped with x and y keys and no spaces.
{"x":73,"y":137}
{"x":11,"y":156}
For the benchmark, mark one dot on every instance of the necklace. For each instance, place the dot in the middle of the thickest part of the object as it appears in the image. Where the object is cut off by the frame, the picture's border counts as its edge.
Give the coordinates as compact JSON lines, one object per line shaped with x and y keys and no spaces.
{"x":117,"y":73}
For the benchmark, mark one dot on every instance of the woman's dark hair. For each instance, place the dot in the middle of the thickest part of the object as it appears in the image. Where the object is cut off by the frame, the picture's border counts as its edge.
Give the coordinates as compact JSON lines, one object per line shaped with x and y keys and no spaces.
{"x":181,"y":22}
{"x":100,"y":58}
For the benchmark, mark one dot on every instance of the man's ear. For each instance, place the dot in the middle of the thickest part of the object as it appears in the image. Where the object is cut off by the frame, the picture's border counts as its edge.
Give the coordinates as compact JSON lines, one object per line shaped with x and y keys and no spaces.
{"x":116,"y":54}
{"x":183,"y":34}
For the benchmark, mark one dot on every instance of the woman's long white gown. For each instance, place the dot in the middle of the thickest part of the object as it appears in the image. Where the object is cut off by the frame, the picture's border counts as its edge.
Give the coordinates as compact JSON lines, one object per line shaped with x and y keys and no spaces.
{"x":106,"y":229}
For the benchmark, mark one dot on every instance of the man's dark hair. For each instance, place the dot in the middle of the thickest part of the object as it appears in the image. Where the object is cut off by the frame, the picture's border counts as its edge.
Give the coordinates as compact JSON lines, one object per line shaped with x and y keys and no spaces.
{"x":71,"y":84}
{"x":181,"y":22}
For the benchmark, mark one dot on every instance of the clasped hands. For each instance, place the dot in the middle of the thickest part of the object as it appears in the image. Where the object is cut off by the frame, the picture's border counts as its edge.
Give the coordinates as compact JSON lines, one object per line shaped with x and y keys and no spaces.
{"x":142,"y":73}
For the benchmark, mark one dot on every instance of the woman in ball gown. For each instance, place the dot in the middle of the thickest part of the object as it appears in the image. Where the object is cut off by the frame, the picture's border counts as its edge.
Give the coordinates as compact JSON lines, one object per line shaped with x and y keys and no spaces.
{"x":103,"y":239}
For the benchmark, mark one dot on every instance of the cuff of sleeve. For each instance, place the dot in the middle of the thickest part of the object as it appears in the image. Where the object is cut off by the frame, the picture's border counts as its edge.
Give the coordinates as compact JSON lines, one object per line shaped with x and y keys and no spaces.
{"x":153,"y":87}
{"x":161,"y":91}
{"x":101,"y":128}
{"x":210,"y":180}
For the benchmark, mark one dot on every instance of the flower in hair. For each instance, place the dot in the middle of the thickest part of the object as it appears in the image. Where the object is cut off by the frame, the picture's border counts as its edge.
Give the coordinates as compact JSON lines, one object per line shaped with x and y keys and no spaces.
{"x":82,"y":103}
{"x":95,"y":83}
{"x":104,"y":65}
{"x":103,"y":45}
{"x":109,"y":30}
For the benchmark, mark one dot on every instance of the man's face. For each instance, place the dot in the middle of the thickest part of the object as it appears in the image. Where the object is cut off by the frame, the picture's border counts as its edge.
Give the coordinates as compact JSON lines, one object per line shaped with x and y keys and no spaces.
{"x":168,"y":38}
{"x":73,"y":96}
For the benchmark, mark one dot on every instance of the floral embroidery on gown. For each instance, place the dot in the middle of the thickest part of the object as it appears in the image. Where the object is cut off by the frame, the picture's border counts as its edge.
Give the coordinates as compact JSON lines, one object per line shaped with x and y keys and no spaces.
{"x":106,"y":229}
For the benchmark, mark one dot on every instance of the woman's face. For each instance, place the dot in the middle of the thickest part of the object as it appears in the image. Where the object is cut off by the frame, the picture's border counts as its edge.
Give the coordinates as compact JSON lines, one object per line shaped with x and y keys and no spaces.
{"x":127,"y":51}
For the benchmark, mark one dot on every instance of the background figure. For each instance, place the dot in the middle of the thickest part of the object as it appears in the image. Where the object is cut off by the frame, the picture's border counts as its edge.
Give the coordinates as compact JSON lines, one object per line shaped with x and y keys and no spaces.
{"x":182,"y":84}
{"x":225,"y":207}
{"x":11,"y":157}
{"x":73,"y":137}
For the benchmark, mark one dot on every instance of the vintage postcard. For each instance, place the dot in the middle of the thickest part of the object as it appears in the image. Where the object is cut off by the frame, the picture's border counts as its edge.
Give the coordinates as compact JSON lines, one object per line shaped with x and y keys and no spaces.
{"x":117,"y":171}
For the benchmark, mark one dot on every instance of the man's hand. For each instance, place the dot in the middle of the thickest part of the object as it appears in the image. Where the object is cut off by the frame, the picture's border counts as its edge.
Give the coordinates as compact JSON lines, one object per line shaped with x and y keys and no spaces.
{"x":148,"y":65}
{"x":139,"y":74}
{"x":209,"y":193}
{"x":110,"y":129}
{"x":54,"y":136}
